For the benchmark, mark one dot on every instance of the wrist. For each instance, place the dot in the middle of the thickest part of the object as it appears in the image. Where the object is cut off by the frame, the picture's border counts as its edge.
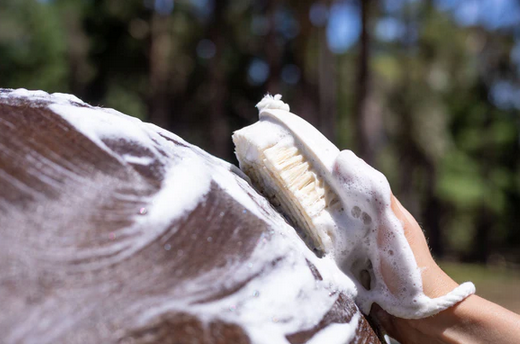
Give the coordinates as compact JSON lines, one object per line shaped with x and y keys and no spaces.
{"x":473,"y":320}
{"x":451,"y":325}
{"x":436,"y":282}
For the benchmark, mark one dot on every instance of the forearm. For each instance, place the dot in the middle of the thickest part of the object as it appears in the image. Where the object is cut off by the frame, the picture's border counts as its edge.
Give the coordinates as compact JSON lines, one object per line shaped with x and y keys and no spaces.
{"x":476,"y":320}
{"x":472,"y":321}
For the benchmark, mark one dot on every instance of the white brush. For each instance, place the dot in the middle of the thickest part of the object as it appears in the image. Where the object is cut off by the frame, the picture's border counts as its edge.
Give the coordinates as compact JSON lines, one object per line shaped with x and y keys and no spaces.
{"x":289,"y":171}
{"x":343,"y":207}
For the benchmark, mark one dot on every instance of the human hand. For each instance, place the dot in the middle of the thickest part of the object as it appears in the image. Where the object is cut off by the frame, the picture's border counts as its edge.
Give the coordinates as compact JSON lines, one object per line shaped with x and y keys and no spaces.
{"x":474,"y":320}
{"x":435,"y":281}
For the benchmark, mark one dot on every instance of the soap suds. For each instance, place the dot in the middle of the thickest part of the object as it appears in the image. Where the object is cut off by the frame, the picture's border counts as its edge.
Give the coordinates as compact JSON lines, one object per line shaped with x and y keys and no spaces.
{"x":278,"y":302}
{"x":370,"y":233}
{"x":367,"y":236}
{"x":272,"y":102}
{"x":337,"y":333}
{"x":268,"y":303}
{"x":57,"y":97}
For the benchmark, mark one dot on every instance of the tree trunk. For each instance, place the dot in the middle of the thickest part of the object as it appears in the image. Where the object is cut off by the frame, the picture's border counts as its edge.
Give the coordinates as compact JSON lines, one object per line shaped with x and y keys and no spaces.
{"x":273,"y":50}
{"x":485,"y":219}
{"x":160,"y":53}
{"x":367,"y":118}
{"x":432,"y":212}
{"x":433,"y":209}
{"x":218,"y":126}
{"x":327,"y":88}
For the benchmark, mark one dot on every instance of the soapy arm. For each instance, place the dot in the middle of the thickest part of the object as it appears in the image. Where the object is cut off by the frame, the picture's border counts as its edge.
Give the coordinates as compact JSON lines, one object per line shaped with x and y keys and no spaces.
{"x":474,"y":320}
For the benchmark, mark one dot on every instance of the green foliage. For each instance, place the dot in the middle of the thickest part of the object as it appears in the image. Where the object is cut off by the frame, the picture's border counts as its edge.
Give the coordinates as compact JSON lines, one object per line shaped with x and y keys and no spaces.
{"x":32,"y":46}
{"x":461,"y":183}
{"x":125,"y":100}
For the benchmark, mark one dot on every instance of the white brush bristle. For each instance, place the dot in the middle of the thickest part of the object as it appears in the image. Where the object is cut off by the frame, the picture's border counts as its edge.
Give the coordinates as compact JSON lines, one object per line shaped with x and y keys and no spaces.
{"x":288,"y":179}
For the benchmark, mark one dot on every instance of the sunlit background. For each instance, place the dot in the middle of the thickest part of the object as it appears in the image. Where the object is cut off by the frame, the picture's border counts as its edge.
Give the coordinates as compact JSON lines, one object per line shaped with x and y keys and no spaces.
{"x":426,"y":91}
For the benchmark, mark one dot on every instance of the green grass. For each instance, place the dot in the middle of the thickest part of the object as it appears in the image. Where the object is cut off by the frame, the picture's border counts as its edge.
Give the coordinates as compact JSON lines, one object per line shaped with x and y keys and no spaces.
{"x":497,"y":284}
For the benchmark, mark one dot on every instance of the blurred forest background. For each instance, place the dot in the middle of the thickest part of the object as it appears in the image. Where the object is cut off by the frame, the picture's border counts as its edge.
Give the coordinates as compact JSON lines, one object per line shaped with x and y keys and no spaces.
{"x":426,"y":91}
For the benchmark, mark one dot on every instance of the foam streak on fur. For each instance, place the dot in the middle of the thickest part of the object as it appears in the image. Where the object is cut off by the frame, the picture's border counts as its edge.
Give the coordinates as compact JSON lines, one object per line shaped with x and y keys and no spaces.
{"x":180,"y":251}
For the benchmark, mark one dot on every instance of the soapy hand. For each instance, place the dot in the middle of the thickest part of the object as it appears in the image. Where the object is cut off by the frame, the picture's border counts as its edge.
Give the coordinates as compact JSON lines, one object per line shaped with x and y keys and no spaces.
{"x":385,"y":241}
{"x":473,"y":320}
{"x":435,"y":281}
{"x":361,"y":225}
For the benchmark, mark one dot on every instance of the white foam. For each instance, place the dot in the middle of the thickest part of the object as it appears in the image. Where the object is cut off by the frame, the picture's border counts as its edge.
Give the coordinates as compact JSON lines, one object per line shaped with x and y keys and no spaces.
{"x":283,"y":298}
{"x":137,"y":160}
{"x":99,"y":125}
{"x":186,"y":176}
{"x":272,"y":102}
{"x":337,"y":333}
{"x":374,"y":234}
{"x":278,"y":302}
{"x":42,"y":96}
{"x":367,"y":235}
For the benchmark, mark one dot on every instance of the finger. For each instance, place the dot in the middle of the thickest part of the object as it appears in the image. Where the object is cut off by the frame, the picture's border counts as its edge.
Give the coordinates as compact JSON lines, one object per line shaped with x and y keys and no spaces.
{"x":435,"y":281}
{"x":413,"y":233}
{"x":412,"y":230}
